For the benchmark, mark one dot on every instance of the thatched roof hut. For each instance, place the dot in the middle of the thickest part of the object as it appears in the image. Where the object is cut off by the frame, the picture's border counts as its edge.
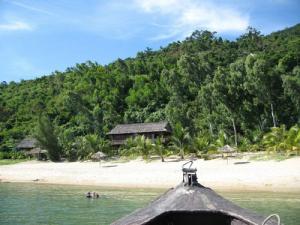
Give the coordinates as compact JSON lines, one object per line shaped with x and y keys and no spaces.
{"x":27,"y":143}
{"x":191,"y":203}
{"x":226,"y":149}
{"x":137,"y":128}
{"x":121,"y":132}
{"x":98,"y":155}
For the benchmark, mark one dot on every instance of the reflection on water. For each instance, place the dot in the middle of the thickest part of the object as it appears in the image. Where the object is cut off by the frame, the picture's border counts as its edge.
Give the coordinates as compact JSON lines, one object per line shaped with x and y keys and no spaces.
{"x":30,"y":204}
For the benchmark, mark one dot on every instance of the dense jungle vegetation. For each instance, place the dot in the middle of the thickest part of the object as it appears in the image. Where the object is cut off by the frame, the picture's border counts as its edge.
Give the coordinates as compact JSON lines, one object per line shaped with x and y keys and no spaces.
{"x":212,"y":91}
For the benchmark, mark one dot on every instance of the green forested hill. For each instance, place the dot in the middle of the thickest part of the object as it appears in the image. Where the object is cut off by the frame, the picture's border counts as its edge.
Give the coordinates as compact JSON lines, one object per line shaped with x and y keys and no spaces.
{"x":204,"y":85}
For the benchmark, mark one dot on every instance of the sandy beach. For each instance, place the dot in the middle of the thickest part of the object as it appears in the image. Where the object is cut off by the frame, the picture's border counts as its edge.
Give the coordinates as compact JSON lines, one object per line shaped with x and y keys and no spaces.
{"x":238,"y":174}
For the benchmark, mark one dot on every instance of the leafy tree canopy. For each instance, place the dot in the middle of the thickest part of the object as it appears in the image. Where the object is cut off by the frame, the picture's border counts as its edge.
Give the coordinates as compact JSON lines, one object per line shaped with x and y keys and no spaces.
{"x":201,"y":85}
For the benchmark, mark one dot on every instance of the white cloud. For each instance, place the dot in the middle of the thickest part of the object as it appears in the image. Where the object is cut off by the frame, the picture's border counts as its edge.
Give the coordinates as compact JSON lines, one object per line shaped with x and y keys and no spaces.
{"x":31,"y":8}
{"x":15,"y":26}
{"x":163,"y":6}
{"x":183,"y":17}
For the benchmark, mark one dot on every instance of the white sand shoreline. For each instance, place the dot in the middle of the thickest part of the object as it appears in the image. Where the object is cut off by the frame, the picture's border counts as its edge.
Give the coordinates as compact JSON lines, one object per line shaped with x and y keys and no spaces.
{"x":237,"y":175}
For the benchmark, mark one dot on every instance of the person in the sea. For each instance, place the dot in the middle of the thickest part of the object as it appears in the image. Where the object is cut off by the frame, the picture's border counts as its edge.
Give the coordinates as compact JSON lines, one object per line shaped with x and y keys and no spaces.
{"x":95,"y":195}
{"x":88,"y":195}
{"x":92,"y":195}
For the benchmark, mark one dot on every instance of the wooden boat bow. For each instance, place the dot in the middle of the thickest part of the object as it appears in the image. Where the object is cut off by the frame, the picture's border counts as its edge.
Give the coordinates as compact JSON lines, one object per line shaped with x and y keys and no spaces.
{"x":191,"y":203}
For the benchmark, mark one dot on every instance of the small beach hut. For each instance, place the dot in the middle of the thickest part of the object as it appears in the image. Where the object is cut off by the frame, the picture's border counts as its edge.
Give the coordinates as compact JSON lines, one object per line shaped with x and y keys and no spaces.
{"x":226,"y":151}
{"x":98,"y":156}
{"x":193,"y":204}
{"x":27,"y":144}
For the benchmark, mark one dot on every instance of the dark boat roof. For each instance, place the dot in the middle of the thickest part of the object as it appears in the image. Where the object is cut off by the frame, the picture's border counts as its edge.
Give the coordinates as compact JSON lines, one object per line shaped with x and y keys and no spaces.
{"x":192,"y":199}
{"x":135,"y":128}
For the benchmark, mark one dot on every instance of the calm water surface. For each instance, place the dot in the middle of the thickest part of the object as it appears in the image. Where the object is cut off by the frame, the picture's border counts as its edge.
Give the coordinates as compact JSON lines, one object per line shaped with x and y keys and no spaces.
{"x":31,"y":204}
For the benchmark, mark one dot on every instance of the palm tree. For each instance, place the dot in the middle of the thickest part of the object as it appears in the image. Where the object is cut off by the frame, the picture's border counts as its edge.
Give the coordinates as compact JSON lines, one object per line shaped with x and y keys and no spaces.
{"x":128,"y":147}
{"x":202,"y":142}
{"x":158,"y":148}
{"x":275,"y":140}
{"x":138,"y":146}
{"x":143,"y":146}
{"x":279,"y":139}
{"x":222,"y":139}
{"x":180,"y":139}
{"x":292,"y":140}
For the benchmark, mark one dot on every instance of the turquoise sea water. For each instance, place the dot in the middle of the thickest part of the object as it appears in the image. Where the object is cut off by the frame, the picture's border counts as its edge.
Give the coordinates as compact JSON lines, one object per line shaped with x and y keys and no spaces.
{"x":31,"y":204}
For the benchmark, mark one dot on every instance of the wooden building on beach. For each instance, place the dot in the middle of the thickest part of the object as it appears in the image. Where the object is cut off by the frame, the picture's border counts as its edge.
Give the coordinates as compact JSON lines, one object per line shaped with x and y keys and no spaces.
{"x":121,"y":132}
{"x":29,"y":146}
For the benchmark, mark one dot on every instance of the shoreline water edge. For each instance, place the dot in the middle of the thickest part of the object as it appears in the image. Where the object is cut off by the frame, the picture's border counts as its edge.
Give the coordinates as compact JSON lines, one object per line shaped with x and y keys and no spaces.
{"x":236,"y":175}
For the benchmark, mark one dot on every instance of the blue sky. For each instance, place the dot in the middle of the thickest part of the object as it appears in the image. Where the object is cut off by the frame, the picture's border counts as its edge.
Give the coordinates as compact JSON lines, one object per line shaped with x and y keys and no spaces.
{"x":38,"y":37}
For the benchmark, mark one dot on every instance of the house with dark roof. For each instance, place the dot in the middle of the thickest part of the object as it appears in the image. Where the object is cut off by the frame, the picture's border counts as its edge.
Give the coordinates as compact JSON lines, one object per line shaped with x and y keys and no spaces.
{"x":121,"y":132}
{"x":29,"y":146}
